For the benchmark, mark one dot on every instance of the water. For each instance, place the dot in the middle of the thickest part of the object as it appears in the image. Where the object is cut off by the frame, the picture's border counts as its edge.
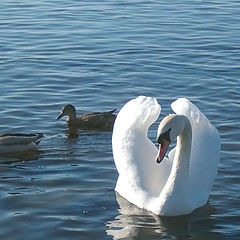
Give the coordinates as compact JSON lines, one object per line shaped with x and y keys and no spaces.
{"x":97,"y":55}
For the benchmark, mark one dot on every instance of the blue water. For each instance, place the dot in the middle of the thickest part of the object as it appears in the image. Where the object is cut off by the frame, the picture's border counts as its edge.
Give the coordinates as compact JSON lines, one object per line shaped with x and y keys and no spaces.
{"x":97,"y":55}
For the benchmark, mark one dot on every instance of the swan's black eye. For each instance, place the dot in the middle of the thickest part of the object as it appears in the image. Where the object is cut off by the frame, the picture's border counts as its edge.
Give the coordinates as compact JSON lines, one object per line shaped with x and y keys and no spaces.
{"x":165,"y":136}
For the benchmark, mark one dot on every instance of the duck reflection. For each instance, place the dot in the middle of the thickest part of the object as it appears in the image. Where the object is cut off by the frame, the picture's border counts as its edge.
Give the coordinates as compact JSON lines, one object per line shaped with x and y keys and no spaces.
{"x":25,"y":156}
{"x":72,"y":133}
{"x":135,"y":223}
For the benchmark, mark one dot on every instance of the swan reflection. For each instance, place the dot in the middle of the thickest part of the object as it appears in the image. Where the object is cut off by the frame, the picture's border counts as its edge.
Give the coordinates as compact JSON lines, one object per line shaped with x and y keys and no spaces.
{"x":135,"y":223}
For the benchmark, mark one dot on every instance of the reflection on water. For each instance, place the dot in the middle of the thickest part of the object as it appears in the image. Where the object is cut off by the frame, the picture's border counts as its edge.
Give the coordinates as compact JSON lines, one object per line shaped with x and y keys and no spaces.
{"x":72,"y":132}
{"x":24,"y":156}
{"x":135,"y":223}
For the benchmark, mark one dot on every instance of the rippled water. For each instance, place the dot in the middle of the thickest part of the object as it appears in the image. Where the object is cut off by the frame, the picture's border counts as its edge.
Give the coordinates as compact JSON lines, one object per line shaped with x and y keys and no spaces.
{"x":97,"y":55}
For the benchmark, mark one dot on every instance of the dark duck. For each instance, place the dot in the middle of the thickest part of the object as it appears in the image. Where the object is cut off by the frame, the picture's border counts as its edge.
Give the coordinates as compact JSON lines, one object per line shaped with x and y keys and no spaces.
{"x":95,"y":120}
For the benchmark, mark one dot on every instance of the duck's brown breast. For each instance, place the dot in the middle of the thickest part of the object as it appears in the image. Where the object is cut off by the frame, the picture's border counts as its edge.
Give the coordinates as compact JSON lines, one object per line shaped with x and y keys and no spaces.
{"x":99,"y":121}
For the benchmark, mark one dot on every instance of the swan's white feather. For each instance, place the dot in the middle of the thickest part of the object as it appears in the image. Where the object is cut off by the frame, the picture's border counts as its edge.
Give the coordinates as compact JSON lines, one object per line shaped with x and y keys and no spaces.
{"x":141,"y":180}
{"x":140,"y":177}
{"x":205,"y":151}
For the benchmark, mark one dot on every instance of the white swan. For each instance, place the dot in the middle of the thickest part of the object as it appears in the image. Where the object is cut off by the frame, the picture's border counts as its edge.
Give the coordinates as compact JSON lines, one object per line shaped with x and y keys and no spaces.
{"x":181,"y":182}
{"x":17,"y":142}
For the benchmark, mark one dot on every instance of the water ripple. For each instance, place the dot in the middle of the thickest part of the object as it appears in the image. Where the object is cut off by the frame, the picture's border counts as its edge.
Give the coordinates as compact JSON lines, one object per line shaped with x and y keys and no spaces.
{"x":97,"y":56}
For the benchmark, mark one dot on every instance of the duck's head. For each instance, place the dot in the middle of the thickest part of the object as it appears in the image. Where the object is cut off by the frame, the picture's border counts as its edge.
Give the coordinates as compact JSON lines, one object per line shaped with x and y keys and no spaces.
{"x":68,"y":110}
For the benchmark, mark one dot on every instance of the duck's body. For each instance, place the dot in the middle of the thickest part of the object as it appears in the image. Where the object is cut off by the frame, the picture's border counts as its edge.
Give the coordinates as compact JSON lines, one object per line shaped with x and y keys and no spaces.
{"x":96,"y":120}
{"x":19,"y":142}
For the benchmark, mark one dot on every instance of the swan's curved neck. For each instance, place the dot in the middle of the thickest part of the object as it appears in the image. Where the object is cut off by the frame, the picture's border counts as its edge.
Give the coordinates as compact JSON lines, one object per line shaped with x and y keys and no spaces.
{"x":183,"y":152}
{"x":174,"y":196}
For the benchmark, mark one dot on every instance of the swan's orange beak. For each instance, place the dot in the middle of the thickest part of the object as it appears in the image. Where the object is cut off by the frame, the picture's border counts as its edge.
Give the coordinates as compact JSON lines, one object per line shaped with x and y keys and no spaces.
{"x":163,"y":147}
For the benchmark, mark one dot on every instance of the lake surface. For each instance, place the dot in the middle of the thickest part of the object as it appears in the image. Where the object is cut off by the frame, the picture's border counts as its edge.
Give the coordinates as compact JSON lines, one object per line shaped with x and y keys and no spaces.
{"x":97,"y":55}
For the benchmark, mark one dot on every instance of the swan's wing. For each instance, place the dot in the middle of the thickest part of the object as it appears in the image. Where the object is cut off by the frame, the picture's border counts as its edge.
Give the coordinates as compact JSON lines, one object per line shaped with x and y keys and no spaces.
{"x":19,"y":139}
{"x":134,"y":154}
{"x":133,"y":119}
{"x":205,"y":151}
{"x":139,"y":112}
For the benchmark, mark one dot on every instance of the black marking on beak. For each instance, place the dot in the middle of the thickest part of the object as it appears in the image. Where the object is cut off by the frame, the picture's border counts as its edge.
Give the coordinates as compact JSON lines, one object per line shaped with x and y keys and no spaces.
{"x":163,"y":136}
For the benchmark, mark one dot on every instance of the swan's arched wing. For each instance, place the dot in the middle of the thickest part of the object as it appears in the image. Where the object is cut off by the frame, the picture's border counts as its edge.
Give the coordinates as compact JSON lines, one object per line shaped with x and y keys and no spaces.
{"x":134,"y":154}
{"x":205,"y":151}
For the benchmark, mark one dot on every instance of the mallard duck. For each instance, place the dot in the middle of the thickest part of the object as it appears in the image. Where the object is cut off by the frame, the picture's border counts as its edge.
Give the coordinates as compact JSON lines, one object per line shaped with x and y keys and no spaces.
{"x":96,"y":120}
{"x":19,"y":142}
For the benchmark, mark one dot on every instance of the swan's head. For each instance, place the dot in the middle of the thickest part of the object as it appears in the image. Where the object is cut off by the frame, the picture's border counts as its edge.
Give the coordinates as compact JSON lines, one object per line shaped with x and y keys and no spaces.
{"x":169,"y":128}
{"x":67,"y":110}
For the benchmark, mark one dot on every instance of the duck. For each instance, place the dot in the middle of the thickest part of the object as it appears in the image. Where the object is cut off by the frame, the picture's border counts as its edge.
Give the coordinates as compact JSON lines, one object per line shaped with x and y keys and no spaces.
{"x":95,"y":120}
{"x":18,"y":142}
{"x":170,"y":184}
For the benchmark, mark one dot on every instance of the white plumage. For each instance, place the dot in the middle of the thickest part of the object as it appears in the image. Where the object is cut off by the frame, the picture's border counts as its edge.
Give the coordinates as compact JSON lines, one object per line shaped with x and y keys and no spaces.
{"x":141,"y":180}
